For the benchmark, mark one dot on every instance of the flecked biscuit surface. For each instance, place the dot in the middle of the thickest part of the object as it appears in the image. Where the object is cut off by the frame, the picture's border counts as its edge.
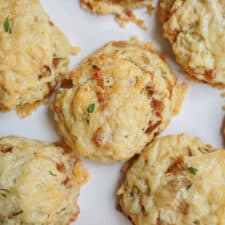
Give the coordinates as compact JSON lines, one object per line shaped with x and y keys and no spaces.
{"x":33,"y":54}
{"x":117,"y":100}
{"x":39,"y":183}
{"x":121,"y":9}
{"x":196,"y":30}
{"x":176,"y":180}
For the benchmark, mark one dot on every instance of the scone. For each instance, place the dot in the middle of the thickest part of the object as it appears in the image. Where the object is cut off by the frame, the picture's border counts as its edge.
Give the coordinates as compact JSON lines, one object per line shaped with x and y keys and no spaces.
{"x":121,"y":9}
{"x":39,"y":183}
{"x":34,"y":54}
{"x":116,"y":101}
{"x":176,"y":180}
{"x":196,"y":31}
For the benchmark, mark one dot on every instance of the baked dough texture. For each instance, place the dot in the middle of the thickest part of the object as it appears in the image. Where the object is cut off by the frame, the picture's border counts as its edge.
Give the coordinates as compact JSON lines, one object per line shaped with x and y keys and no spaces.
{"x":33,"y":54}
{"x":39,"y":183}
{"x":134,"y":95}
{"x":122,"y":9}
{"x":196,"y":30}
{"x":176,"y":180}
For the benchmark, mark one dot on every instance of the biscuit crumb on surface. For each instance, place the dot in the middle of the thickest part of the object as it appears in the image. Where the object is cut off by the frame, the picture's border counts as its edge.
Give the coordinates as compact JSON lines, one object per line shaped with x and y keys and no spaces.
{"x":121,"y":9}
{"x":75,"y":50}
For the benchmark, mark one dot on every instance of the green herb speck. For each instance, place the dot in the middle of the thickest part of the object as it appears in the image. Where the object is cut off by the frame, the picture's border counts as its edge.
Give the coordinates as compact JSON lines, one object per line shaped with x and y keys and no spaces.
{"x":189,"y":186}
{"x":3,"y":195}
{"x":91,"y":108}
{"x":51,"y":173}
{"x":86,"y":117}
{"x":17,"y":213}
{"x":3,"y":189}
{"x":7,"y":26}
{"x":192,"y":170}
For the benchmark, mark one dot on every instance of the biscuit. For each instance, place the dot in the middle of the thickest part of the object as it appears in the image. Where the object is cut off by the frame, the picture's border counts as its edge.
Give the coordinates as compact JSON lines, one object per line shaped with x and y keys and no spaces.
{"x":34,"y":54}
{"x":121,"y":9}
{"x":116,"y":101}
{"x":39,"y":183}
{"x":176,"y":180}
{"x":196,"y":31}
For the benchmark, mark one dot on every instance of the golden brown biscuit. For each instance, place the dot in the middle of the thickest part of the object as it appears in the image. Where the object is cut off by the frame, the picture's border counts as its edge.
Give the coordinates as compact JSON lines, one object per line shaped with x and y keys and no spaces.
{"x":120,"y":8}
{"x":196,"y":30}
{"x":39,"y":183}
{"x":34,"y":54}
{"x":117,"y":101}
{"x":176,"y":180}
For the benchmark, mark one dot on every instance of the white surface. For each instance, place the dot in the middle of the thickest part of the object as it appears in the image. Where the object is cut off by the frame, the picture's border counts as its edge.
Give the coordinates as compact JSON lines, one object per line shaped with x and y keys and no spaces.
{"x":201,"y":114}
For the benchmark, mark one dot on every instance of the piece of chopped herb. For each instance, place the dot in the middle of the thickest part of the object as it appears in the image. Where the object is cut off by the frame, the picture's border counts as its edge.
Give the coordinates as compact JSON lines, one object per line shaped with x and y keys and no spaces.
{"x":51,"y":173}
{"x":189,"y":186}
{"x":91,"y":108}
{"x":58,"y":91}
{"x":86,"y":117}
{"x":3,"y":195}
{"x":3,"y":189}
{"x":17,"y":213}
{"x":192,"y":170}
{"x":77,"y":195}
{"x":61,"y":210}
{"x":7,"y":26}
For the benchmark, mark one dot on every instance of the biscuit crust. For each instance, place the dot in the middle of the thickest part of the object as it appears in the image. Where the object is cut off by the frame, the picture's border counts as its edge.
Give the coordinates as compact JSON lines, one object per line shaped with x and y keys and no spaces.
{"x":134,"y":94}
{"x":39,"y":183}
{"x":121,"y":9}
{"x":34,"y":54}
{"x":196,"y":31}
{"x":176,"y":180}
